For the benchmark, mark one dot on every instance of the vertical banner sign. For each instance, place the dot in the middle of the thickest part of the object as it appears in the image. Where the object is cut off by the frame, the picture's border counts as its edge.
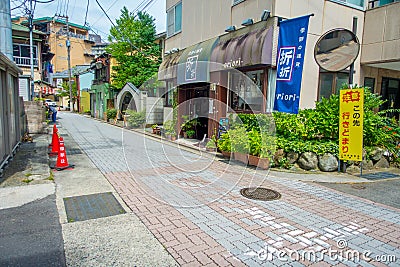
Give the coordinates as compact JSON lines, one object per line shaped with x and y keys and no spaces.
{"x":351,"y":114}
{"x":289,"y":65}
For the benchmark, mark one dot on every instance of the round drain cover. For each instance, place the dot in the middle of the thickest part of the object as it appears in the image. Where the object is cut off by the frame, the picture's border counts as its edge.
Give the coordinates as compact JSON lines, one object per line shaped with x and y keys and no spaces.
{"x":260,"y":193}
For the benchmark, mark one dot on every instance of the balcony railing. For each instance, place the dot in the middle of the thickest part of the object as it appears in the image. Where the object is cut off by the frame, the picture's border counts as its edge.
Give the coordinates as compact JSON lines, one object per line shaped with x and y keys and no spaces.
{"x":25,"y":61}
{"x":75,"y":35}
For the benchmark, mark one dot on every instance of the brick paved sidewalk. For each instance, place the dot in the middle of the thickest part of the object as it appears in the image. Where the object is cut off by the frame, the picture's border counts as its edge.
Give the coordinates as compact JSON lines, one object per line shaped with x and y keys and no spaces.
{"x":192,"y":204}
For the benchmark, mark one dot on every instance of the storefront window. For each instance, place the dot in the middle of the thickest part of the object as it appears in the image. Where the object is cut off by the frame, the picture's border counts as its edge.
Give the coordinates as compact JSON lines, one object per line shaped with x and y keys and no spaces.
{"x":246,"y":91}
{"x":169,"y":95}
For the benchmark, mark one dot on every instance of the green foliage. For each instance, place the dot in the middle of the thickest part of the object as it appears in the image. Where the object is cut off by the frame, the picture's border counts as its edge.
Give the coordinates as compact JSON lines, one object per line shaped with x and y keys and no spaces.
{"x":258,"y":122}
{"x":317,"y":130}
{"x":224,"y":143}
{"x":65,"y":90}
{"x":262,"y":144}
{"x":111,"y":113}
{"x":133,"y":46}
{"x":190,"y":133}
{"x":239,"y":139}
{"x":170,"y":127}
{"x":300,"y":146}
{"x":136,"y":119}
{"x":212,"y":143}
{"x":189,"y":124}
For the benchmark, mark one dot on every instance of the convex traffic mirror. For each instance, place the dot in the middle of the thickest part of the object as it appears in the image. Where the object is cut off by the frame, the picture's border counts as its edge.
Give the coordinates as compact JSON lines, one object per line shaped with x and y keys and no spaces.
{"x":336,"y":50}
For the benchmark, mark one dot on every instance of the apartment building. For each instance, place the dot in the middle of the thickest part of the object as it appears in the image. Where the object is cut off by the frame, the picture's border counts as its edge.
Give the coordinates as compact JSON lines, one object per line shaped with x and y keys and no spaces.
{"x":41,"y":62}
{"x":241,"y":37}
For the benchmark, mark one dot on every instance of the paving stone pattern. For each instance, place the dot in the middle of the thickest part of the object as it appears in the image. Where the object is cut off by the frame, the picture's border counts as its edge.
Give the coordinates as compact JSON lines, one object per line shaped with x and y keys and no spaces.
{"x":192,"y":204}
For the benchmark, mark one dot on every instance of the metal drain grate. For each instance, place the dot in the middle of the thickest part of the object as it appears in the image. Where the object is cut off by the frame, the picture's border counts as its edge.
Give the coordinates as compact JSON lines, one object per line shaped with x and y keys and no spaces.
{"x":380,"y":175}
{"x":81,"y":208}
{"x":260,"y":193}
{"x":74,"y":151}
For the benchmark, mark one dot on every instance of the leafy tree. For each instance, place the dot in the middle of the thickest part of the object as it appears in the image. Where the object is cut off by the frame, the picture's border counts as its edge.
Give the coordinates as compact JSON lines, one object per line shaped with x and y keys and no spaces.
{"x":65,"y":91}
{"x":132,"y":45}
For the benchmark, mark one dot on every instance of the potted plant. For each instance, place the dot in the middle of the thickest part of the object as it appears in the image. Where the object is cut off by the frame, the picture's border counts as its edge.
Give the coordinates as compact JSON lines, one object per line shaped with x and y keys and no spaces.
{"x":190,"y":133}
{"x":261,"y":147}
{"x":189,"y":125}
{"x":169,"y":127}
{"x":239,"y":141}
{"x":224,"y":145}
{"x":156,"y":129}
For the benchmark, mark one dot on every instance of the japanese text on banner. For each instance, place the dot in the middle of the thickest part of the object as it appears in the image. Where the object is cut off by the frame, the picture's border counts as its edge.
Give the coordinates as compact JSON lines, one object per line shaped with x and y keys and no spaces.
{"x":289,"y":64}
{"x":351,"y":114}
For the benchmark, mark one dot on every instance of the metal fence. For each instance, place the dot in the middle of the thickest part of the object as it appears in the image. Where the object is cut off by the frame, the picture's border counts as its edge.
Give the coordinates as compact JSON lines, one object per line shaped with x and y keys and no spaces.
{"x":11,"y":115}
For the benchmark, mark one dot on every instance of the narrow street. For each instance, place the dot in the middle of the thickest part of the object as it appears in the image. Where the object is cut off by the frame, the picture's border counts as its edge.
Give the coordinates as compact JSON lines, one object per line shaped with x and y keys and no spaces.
{"x":192,"y":204}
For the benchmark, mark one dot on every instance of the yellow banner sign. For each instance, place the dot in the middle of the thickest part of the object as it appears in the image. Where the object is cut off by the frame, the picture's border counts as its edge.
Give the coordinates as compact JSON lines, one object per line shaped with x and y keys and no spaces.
{"x":351,"y":116}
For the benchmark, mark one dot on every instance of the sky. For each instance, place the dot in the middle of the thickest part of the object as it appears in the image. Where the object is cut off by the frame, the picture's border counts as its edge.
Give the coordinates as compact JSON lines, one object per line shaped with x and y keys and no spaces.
{"x":97,"y":20}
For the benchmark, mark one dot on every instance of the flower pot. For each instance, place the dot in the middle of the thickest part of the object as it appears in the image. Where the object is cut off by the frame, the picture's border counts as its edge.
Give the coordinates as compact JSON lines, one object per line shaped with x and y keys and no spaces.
{"x":241,"y":157}
{"x":262,"y":163}
{"x":185,"y":135}
{"x":173,"y":137}
{"x":226,"y":154}
{"x":211,"y":149}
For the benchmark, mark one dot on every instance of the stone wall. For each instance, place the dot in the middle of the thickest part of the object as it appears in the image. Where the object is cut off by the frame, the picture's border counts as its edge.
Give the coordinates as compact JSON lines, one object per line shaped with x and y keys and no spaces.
{"x":375,"y":159}
{"x":36,"y":117}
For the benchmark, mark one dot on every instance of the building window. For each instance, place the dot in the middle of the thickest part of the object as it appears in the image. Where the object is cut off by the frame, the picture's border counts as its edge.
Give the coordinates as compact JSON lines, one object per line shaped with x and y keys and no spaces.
{"x":246,"y":91}
{"x":369,"y":82}
{"x":330,"y":83}
{"x":378,"y":3}
{"x":174,"y":20}
{"x":22,"y":57}
{"x":352,"y":3}
{"x":169,"y":95}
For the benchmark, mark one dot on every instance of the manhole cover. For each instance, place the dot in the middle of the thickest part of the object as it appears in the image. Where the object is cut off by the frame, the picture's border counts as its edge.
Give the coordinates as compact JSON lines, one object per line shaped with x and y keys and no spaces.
{"x":260,"y":193}
{"x":358,"y":186}
{"x":379,"y":175}
{"x":81,"y":208}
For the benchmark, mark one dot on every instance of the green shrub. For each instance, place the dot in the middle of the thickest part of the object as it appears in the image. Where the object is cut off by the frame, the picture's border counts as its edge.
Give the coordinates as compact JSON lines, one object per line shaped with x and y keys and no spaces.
{"x":169,"y":127}
{"x":239,"y":139}
{"x":224,"y":143}
{"x":190,"y":133}
{"x":136,"y":119}
{"x":262,"y":145}
{"x":258,"y":122}
{"x":111,"y":113}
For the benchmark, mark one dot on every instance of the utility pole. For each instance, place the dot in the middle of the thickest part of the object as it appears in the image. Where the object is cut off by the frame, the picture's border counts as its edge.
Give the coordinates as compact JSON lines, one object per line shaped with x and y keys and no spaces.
{"x":32,"y":91}
{"x":68,"y":44}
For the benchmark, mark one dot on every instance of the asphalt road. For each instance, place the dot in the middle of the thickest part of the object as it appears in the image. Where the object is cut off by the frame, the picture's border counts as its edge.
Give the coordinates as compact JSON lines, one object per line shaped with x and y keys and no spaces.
{"x":384,"y":192}
{"x":30,"y":235}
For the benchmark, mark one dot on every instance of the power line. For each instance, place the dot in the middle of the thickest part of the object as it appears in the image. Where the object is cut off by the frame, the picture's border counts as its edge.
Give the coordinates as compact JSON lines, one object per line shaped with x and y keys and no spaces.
{"x":106,"y":10}
{"x":117,"y":29}
{"x":87,"y":8}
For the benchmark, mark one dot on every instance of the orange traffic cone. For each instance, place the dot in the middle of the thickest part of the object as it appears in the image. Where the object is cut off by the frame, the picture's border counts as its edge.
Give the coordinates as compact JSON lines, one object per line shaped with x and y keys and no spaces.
{"x":55,"y":145}
{"x":62,"y":161}
{"x":55,"y":130}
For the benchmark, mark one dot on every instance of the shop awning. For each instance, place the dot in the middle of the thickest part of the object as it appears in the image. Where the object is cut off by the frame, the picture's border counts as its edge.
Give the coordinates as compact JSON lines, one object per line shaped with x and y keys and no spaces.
{"x":194,"y":63}
{"x":168,"y":68}
{"x":248,"y":46}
